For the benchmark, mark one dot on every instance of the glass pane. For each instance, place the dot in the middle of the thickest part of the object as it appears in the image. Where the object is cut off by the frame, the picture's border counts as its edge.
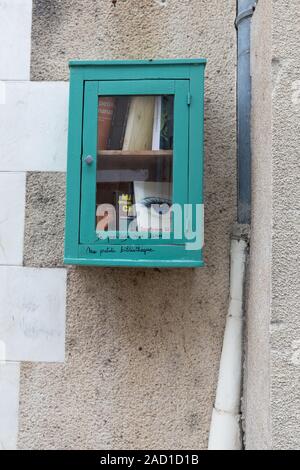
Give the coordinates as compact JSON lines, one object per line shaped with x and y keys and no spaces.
{"x":134,"y":163}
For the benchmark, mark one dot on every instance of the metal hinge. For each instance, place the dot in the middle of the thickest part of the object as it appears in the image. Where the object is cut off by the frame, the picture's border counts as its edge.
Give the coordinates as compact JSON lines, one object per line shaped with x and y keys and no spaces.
{"x":189,"y":98}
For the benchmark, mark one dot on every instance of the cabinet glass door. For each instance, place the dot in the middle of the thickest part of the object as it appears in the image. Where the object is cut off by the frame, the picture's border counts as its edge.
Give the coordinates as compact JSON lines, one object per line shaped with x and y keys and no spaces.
{"x":135,"y":160}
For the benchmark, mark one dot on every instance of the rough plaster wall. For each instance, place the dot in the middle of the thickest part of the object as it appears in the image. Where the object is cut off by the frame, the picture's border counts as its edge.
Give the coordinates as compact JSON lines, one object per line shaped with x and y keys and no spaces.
{"x":95,"y":29}
{"x":285,"y":326}
{"x":143,"y":346}
{"x":257,"y":373}
{"x":273,"y":352}
{"x":44,"y":219}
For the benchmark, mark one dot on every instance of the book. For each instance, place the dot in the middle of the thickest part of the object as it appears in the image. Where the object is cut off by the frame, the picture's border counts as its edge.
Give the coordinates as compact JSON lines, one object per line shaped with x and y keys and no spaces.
{"x":153,"y":200}
{"x":105,"y":113}
{"x":124,"y":208}
{"x":139,"y":128}
{"x":156,"y":124}
{"x":167,"y":122}
{"x":118,"y":125}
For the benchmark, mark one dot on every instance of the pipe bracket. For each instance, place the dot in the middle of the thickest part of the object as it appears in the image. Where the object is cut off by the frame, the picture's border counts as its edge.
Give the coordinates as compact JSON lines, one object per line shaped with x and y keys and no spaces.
{"x":244,"y":14}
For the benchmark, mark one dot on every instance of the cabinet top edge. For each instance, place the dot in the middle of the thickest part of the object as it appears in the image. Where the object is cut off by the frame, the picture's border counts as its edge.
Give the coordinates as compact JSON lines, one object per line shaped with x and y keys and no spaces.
{"x":76,"y":63}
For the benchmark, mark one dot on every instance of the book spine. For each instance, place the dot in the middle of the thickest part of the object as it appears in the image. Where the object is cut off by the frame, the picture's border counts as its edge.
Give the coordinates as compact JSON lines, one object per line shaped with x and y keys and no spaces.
{"x":105,"y":114}
{"x":124,"y":122}
{"x":167,"y":123}
{"x":118,"y":126}
{"x":156,"y":124}
{"x":139,"y":129}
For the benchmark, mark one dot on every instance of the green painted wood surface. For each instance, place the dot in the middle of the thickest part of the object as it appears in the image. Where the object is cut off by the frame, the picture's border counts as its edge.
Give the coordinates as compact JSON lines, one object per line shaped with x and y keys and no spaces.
{"x":139,"y":63}
{"x":184,"y":78}
{"x":73,"y":193}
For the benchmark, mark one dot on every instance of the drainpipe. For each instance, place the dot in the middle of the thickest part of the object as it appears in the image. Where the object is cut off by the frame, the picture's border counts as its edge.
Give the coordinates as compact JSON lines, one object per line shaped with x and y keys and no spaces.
{"x":245,"y":9}
{"x":225,"y":429}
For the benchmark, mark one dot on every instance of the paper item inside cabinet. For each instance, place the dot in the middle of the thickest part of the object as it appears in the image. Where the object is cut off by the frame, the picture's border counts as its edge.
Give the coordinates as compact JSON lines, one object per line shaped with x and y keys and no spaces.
{"x":153,"y":200}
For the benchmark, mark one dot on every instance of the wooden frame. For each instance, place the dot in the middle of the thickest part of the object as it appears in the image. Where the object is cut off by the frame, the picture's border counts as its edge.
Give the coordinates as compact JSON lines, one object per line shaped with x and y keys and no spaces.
{"x":185,"y":80}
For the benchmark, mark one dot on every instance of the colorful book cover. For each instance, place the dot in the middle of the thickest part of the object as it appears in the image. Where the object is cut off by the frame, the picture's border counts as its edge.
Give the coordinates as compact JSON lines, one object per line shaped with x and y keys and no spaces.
{"x":124,"y":209}
{"x":105,"y":114}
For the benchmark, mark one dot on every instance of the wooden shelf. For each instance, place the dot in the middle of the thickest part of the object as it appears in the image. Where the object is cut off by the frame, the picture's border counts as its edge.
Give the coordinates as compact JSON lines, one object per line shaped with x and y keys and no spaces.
{"x":135,"y":153}
{"x":121,"y":166}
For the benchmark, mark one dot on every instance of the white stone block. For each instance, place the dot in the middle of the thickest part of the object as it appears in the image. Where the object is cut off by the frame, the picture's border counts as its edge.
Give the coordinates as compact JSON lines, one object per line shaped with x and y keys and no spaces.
{"x":15,"y":39}
{"x":33,"y":126}
{"x":32,"y":313}
{"x":12,"y":214}
{"x":9,"y":404}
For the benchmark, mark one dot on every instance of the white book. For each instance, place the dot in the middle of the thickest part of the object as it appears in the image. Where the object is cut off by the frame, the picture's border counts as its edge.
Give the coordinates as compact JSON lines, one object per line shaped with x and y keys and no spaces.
{"x":153,"y":200}
{"x":139,"y":127}
{"x":156,"y":124}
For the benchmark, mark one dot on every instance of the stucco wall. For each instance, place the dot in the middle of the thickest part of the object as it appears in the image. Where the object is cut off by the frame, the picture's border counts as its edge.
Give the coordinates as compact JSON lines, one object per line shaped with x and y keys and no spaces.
{"x":257,"y":345}
{"x":285,"y":326}
{"x":142,"y":346}
{"x":273,"y":365}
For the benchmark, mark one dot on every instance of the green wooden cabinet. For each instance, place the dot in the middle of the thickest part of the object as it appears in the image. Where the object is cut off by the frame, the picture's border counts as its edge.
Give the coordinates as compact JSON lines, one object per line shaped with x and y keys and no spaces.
{"x":135,"y":163}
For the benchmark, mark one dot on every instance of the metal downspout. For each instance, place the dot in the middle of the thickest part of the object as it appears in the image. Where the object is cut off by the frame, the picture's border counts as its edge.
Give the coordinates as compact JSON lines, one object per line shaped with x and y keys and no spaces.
{"x":245,"y":9}
{"x":225,"y":428}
